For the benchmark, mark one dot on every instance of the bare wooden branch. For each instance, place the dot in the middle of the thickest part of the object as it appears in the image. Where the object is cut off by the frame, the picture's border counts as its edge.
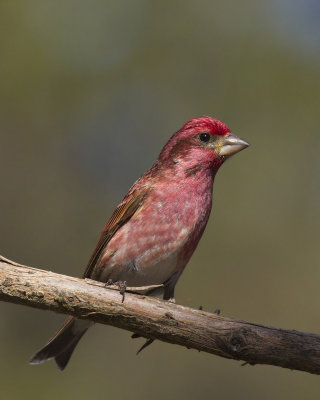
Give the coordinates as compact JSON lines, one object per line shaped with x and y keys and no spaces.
{"x":157,"y":319}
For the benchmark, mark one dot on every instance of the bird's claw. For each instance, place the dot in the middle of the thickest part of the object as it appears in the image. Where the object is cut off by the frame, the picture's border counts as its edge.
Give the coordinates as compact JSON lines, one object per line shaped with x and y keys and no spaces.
{"x":122,"y":288}
{"x":135,"y":336}
{"x":122,"y":285}
{"x":147,"y":343}
{"x":217,"y":311}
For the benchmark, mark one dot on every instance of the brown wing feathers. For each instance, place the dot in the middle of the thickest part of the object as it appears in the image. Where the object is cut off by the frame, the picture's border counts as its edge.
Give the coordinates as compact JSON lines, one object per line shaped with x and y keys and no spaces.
{"x":121,"y":215}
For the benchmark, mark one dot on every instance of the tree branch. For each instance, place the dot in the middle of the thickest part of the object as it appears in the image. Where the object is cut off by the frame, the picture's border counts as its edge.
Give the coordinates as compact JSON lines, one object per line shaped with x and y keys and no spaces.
{"x":157,"y":319}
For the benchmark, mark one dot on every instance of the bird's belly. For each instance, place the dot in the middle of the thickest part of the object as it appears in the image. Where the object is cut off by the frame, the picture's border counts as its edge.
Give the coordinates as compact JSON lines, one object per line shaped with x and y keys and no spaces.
{"x":153,"y":266}
{"x":145,"y":272}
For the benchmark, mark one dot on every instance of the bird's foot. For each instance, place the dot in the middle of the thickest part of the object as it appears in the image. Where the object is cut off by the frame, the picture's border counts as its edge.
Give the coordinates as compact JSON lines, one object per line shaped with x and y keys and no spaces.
{"x":146,"y":344}
{"x":122,"y":288}
{"x":217,"y":311}
{"x":122,"y":285}
{"x":135,"y":336}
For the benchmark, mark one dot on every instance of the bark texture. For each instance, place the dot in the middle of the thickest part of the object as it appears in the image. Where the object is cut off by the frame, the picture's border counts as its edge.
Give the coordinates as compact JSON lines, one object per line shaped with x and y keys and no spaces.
{"x":157,"y":319}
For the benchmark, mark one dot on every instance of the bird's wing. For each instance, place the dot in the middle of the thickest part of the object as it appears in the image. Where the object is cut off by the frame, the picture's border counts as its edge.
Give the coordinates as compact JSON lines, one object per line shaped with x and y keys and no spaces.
{"x":120,"y":216}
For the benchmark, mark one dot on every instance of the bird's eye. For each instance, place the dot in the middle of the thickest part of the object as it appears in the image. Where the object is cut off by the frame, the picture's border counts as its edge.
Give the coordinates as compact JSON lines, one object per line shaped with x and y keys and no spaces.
{"x":204,"y":137}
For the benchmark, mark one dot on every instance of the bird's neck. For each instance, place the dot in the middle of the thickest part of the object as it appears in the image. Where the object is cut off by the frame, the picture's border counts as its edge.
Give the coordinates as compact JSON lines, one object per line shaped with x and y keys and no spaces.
{"x":187,"y":177}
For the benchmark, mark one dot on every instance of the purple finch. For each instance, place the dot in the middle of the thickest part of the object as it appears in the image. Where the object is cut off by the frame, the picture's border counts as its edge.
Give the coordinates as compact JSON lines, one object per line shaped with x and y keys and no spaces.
{"x":152,"y":234}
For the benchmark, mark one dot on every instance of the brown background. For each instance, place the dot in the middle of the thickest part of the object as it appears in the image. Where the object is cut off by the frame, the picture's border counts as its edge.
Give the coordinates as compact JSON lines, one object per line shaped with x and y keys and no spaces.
{"x":89,"y":93}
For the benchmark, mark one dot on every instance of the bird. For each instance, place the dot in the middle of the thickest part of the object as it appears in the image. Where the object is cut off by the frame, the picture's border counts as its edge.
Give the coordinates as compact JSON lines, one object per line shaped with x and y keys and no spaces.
{"x":152,"y":234}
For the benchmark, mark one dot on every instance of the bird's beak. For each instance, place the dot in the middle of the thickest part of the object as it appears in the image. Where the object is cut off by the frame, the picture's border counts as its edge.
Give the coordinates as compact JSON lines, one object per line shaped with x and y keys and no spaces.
{"x":231,"y":144}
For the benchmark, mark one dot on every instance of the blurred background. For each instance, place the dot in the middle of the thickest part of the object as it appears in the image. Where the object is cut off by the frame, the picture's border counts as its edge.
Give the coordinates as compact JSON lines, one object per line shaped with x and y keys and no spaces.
{"x":89,"y":93}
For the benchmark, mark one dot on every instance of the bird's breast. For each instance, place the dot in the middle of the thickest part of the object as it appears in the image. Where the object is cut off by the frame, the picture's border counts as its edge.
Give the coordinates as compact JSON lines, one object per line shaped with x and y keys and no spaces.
{"x":160,"y":238}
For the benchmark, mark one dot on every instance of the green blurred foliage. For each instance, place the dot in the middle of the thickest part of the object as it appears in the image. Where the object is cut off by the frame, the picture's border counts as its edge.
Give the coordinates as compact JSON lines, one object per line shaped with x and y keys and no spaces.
{"x":89,"y":92}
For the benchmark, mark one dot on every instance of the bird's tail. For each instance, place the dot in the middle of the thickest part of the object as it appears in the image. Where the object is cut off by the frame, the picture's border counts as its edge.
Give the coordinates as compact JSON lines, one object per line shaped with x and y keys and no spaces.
{"x":61,"y":346}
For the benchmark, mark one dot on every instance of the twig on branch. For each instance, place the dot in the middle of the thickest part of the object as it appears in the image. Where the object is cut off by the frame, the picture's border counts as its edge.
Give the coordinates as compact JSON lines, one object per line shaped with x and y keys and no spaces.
{"x":157,"y":319}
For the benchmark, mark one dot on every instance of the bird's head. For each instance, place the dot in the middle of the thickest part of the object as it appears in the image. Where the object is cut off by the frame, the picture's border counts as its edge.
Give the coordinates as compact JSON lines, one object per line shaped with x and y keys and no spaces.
{"x":201,"y":143}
